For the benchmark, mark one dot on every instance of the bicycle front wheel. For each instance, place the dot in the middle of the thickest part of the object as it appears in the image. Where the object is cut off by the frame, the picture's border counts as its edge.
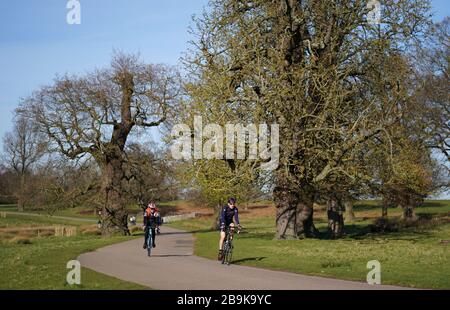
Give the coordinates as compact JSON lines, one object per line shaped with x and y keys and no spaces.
{"x":224,"y":252}
{"x":229,"y":256}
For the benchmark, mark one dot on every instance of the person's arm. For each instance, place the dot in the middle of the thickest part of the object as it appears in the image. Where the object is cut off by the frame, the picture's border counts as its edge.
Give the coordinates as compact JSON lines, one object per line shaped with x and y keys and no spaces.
{"x":159,"y":219}
{"x":145,"y":218}
{"x":222,"y":216}
{"x":236,"y":216}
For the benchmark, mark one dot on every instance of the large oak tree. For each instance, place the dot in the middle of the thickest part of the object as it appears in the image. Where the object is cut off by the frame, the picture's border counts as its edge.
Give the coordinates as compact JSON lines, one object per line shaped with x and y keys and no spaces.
{"x":331,"y":80}
{"x":95,"y":114}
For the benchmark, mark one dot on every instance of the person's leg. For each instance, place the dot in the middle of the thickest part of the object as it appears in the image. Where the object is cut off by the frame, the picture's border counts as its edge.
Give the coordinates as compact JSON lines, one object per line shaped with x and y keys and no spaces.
{"x":154,"y":237}
{"x":145,"y":238}
{"x":149,"y":238}
{"x":222,"y":238}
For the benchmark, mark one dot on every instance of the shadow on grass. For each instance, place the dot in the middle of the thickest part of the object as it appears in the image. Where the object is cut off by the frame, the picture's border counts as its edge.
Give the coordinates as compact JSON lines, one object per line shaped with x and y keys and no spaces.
{"x":248,"y":259}
{"x":376,"y":205}
{"x":366,"y":232}
{"x":368,"y":207}
{"x":423,"y":229}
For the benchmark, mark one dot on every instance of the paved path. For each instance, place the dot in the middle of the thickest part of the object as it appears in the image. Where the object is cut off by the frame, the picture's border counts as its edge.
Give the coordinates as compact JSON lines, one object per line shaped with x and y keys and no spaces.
{"x":173,"y":266}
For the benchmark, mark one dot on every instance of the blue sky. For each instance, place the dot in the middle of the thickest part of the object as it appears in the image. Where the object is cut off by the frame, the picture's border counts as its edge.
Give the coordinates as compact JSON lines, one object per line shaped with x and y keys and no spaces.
{"x":36,"y":42}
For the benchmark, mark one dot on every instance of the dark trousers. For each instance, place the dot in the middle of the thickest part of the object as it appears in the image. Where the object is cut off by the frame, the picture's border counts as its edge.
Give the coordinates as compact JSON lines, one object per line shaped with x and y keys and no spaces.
{"x":147,"y":230}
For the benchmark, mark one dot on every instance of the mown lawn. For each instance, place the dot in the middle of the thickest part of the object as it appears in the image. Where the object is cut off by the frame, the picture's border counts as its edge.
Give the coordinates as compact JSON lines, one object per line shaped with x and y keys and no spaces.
{"x":86,"y":212}
{"x":29,"y":262}
{"x":23,"y":220}
{"x":413,"y":257}
{"x":8,"y":208}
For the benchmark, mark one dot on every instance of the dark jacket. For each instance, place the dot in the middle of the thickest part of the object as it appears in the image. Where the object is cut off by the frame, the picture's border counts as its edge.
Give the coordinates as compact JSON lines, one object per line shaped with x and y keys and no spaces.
{"x":227,"y":214}
{"x":151,"y":219}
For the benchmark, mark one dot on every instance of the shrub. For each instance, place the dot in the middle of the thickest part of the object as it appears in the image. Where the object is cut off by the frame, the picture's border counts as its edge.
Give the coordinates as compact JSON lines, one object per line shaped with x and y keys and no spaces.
{"x":20,"y":240}
{"x":134,"y":229}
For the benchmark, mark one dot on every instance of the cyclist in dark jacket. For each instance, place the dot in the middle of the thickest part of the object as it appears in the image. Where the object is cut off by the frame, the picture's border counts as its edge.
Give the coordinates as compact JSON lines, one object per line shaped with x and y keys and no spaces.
{"x":152,"y":219}
{"x":227,"y":214}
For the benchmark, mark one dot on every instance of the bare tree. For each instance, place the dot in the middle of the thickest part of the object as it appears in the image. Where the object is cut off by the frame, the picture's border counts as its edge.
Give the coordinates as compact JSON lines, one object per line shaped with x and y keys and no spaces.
{"x":23,"y":147}
{"x":95,"y":114}
{"x":150,"y":173}
{"x":8,"y":182}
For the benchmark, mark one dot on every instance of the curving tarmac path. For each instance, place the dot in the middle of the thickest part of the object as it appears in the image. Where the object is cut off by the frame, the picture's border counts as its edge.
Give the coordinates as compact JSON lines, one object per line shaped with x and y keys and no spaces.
{"x":173,"y":266}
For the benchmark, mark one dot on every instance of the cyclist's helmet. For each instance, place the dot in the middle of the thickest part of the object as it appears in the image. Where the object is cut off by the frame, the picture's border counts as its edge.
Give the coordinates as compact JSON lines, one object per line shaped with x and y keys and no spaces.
{"x":232,"y":200}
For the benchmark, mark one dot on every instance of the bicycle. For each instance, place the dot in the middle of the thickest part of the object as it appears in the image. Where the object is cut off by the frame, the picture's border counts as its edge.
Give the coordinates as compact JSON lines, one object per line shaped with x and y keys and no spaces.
{"x":227,"y":251}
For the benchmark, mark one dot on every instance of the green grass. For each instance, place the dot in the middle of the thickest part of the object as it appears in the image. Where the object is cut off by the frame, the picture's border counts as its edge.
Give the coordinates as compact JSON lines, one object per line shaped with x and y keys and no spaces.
{"x":429,"y":206}
{"x":19,"y":220}
{"x":75,"y":212}
{"x":84,"y":212}
{"x":413,"y":257}
{"x":8,"y":208}
{"x":69,"y":212}
{"x":40,"y":263}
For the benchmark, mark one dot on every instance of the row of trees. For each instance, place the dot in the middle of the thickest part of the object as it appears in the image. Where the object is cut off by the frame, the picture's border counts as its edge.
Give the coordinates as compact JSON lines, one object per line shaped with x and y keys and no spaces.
{"x":363,"y":111}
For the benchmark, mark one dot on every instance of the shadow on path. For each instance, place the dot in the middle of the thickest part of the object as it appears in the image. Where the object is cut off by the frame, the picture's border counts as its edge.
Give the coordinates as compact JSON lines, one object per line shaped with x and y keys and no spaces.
{"x":248,"y":259}
{"x":171,"y":255}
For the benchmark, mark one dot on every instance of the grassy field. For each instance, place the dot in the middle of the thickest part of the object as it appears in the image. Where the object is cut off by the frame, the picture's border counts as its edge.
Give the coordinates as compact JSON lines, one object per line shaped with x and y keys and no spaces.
{"x":31,"y":262}
{"x":8,"y":208}
{"x":84,"y":212}
{"x":413,"y":257}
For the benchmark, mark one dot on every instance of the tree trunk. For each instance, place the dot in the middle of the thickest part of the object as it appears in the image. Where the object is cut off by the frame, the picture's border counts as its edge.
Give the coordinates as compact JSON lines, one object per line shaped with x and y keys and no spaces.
{"x":335,"y":218}
{"x":21,"y":198}
{"x":216,"y":222}
{"x":408,"y":213}
{"x":349,"y":214}
{"x":286,"y":201}
{"x":384,"y":209}
{"x":294,"y":211}
{"x":305,"y":215}
{"x":114,"y":213}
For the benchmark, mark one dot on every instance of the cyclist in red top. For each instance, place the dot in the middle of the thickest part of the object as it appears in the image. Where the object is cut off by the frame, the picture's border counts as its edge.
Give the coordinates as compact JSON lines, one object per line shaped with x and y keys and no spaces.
{"x":152,"y":219}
